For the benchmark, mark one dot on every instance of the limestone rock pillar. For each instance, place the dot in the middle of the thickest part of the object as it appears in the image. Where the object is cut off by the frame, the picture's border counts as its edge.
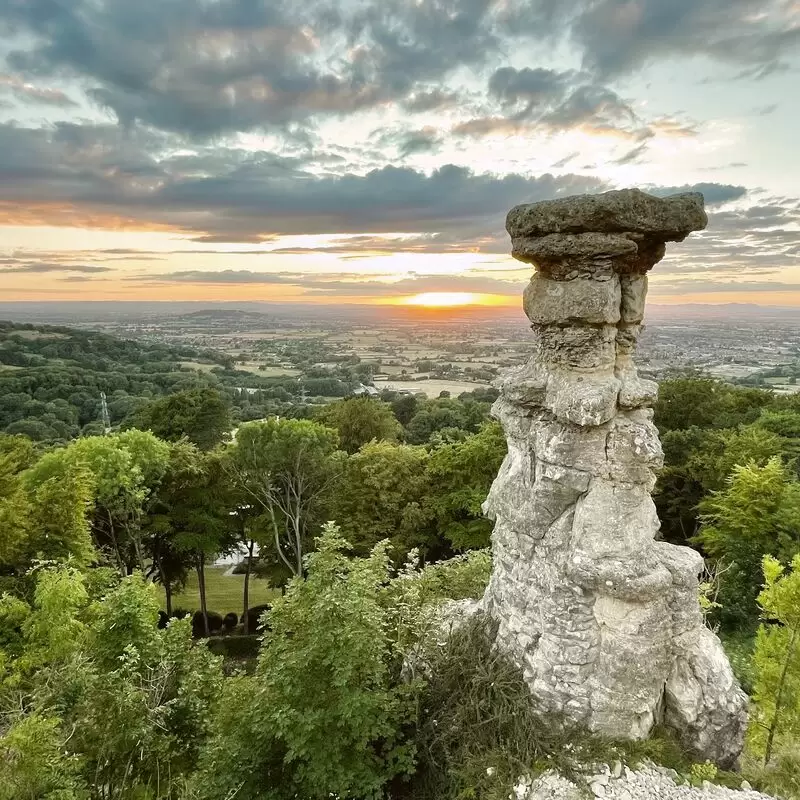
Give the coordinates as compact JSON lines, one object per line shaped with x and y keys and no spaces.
{"x":603,"y":619}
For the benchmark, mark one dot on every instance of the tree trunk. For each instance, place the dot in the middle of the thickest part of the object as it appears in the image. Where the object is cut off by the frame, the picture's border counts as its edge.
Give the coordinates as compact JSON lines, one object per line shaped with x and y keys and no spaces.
{"x":278,"y":547}
{"x":164,"y":581}
{"x":246,"y":603}
{"x":779,"y":698}
{"x":168,"y":595}
{"x":201,"y":582}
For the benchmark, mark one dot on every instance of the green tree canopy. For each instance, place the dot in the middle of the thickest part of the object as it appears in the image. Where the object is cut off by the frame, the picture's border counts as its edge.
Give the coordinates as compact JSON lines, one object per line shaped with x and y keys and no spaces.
{"x":201,"y":415}
{"x":287,"y":467}
{"x":360,"y":420}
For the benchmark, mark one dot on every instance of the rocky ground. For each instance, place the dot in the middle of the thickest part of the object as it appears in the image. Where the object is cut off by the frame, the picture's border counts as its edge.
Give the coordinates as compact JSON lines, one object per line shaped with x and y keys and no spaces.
{"x":621,"y":783}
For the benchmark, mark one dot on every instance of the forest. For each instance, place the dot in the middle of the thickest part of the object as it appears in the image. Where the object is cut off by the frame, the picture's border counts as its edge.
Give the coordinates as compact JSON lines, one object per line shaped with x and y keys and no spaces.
{"x":365,"y":514}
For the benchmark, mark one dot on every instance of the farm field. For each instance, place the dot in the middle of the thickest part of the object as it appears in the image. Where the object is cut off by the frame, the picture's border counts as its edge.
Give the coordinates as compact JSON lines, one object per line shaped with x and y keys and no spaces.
{"x":432,"y":388}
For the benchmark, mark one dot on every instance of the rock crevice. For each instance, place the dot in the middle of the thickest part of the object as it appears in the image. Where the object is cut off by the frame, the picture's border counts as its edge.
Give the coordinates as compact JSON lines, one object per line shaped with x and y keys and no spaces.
{"x":603,"y":619}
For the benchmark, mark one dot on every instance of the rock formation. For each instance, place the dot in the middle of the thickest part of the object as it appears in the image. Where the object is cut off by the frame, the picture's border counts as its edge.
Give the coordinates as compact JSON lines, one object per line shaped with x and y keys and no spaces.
{"x":603,"y":619}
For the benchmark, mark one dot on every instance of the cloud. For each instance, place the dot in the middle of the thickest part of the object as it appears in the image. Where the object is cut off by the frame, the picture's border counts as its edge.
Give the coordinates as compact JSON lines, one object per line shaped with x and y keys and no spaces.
{"x":40,"y":267}
{"x":68,"y":174}
{"x":633,"y":155}
{"x":714,"y":193}
{"x":617,"y":37}
{"x":204,"y":69}
{"x":534,"y":88}
{"x":343,"y":284}
{"x":549,"y":101}
{"x":222,"y":276}
{"x":432,"y":100}
{"x":218,"y":67}
{"x":37,"y":94}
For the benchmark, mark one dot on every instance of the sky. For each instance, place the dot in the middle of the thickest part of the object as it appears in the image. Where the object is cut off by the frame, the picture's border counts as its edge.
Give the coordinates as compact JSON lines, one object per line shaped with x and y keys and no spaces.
{"x":367,"y":151}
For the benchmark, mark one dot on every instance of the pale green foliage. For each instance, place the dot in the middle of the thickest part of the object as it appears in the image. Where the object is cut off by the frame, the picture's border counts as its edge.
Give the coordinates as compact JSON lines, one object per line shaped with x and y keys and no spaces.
{"x":707,"y":771}
{"x":326,"y":709}
{"x":775,"y":720}
{"x":102,"y":686}
{"x":462,"y":577}
{"x":45,"y":521}
{"x":34,"y":764}
{"x":125,"y":468}
{"x":757,"y":513}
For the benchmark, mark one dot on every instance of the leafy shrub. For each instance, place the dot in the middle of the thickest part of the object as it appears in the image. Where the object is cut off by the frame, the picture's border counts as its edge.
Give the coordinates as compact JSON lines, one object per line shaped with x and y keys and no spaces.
{"x":239,"y":647}
{"x":36,"y":765}
{"x":463,"y":577}
{"x":324,"y":715}
{"x":109,"y":698}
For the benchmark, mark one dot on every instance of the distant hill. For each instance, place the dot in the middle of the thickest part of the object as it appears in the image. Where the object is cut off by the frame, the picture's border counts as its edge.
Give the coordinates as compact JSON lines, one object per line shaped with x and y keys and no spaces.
{"x":51,"y":377}
{"x":88,"y":313}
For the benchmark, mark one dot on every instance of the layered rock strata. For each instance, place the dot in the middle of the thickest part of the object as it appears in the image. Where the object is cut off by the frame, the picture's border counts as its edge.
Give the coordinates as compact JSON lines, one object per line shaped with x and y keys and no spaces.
{"x":603,"y":619}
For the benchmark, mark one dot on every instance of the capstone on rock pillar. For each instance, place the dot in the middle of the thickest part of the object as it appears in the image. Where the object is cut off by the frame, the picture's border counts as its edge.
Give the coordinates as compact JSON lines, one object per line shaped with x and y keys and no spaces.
{"x":603,"y":619}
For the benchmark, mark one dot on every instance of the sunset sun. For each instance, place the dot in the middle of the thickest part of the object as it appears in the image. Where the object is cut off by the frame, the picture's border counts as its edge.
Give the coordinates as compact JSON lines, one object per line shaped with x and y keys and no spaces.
{"x":441,"y":299}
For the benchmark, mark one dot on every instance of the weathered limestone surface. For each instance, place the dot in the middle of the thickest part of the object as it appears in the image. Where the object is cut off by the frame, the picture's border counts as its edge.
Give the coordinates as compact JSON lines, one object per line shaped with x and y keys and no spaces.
{"x":603,"y":619}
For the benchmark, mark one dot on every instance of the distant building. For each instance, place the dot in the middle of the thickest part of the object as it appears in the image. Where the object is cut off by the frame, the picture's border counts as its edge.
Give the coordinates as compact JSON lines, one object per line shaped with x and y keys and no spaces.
{"x":235,"y":557}
{"x":369,"y":391}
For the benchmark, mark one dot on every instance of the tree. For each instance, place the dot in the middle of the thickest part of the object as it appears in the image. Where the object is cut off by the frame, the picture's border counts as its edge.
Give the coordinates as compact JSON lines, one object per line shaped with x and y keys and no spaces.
{"x":46,"y":520}
{"x":202,"y":415}
{"x":404,"y":408}
{"x":688,"y":401}
{"x":776,"y":693}
{"x":125,"y":469}
{"x":379,"y":495}
{"x":697,"y":462}
{"x":287,"y":467}
{"x":360,"y":420}
{"x":758,"y":513}
{"x":118,"y":708}
{"x":191,"y":520}
{"x":445,"y":412}
{"x":248,"y":526}
{"x":459,"y":477}
{"x":325,"y":715}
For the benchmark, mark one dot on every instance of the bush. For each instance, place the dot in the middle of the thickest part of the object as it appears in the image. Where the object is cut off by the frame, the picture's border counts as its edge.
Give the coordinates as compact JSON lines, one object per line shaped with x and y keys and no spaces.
{"x":214,"y":624}
{"x":235,"y":647}
{"x":111,"y":701}
{"x":324,"y":715}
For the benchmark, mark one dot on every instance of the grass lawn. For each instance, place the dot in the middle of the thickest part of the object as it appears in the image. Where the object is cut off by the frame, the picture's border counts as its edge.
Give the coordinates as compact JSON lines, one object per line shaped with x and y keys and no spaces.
{"x":223,"y":593}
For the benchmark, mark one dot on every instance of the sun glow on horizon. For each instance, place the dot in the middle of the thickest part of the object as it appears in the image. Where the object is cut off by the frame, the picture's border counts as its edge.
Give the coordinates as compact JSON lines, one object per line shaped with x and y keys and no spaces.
{"x":441,"y":299}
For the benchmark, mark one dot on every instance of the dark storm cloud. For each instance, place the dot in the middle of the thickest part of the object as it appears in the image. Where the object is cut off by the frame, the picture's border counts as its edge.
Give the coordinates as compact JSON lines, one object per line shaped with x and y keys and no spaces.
{"x":232,"y":65}
{"x":618,"y":36}
{"x":64,"y":175}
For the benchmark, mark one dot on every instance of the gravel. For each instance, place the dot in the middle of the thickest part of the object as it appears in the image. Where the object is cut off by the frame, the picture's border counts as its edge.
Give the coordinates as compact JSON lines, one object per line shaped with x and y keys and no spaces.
{"x":647,"y":782}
